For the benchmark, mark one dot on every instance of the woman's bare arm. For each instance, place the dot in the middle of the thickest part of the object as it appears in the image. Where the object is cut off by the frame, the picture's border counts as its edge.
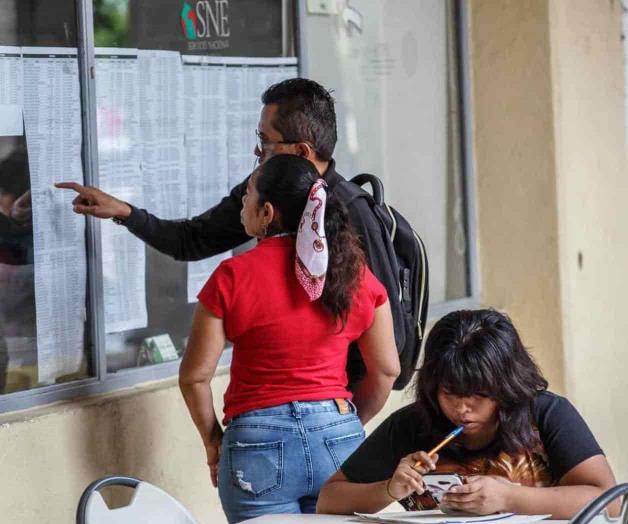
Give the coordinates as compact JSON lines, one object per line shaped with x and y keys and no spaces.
{"x":576,"y":488}
{"x":205,"y":345}
{"x":340,"y":496}
{"x":379,"y":352}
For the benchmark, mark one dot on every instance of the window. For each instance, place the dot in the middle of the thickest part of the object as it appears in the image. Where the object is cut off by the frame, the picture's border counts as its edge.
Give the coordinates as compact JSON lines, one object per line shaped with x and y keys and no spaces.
{"x":167,"y":123}
{"x":44,"y":333}
{"x":395,"y":71}
{"x":83,"y":303}
{"x":165,"y":98}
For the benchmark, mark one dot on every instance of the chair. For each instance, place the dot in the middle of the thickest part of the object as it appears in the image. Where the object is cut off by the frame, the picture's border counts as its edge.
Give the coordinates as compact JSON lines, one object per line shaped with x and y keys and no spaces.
{"x":593,"y":511}
{"x":149,"y":504}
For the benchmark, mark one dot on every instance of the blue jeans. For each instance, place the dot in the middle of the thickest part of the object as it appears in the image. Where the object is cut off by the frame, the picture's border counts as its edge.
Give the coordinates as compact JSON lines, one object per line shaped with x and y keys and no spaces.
{"x":275,"y":460}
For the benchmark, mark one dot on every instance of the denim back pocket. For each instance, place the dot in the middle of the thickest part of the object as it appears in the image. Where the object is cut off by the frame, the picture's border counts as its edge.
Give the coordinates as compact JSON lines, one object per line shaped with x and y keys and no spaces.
{"x":256,"y":468}
{"x":340,"y":448}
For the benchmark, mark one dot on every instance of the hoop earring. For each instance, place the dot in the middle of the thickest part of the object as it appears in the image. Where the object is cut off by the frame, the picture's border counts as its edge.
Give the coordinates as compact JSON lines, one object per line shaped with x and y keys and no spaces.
{"x":264,"y":230}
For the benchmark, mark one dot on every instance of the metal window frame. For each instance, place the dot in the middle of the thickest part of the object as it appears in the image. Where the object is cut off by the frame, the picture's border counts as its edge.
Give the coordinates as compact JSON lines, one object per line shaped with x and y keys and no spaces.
{"x":468,"y":172}
{"x":105,"y":382}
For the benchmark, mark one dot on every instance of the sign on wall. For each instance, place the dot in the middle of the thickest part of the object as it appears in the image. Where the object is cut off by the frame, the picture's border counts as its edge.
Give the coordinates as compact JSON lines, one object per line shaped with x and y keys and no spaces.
{"x":208,"y":27}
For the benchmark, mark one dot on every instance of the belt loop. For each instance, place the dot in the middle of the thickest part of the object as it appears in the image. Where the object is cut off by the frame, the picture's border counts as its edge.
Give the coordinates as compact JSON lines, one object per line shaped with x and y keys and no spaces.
{"x":296,"y":409}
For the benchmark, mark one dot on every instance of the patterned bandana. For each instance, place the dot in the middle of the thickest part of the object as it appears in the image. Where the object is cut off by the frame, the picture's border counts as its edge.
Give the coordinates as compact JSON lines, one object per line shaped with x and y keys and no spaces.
{"x":312,"y":257}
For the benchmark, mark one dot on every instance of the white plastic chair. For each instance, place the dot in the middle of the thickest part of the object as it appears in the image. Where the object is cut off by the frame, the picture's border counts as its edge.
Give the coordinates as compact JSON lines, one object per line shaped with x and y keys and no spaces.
{"x":148,"y":505}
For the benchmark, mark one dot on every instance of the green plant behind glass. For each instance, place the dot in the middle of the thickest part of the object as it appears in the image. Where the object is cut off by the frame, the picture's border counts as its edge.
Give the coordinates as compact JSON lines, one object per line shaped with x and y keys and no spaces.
{"x":111,"y":23}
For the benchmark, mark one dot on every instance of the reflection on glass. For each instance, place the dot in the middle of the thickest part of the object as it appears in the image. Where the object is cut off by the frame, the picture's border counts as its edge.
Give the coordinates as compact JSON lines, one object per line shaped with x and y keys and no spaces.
{"x":18,"y":334}
{"x":111,"y":23}
{"x":38,"y":23}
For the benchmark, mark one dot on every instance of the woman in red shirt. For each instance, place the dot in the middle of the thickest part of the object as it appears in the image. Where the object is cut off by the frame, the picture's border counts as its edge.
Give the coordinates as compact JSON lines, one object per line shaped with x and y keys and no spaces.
{"x":291,"y":306}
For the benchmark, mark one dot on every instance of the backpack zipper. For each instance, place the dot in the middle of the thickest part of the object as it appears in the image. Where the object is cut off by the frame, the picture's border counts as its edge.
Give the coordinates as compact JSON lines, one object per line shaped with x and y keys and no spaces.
{"x":392,"y":233}
{"x":423,"y":282}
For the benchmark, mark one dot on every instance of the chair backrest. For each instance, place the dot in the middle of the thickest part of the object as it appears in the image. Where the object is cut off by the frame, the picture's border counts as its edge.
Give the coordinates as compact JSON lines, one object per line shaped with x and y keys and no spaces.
{"x":148,"y":505}
{"x":594,"y":512}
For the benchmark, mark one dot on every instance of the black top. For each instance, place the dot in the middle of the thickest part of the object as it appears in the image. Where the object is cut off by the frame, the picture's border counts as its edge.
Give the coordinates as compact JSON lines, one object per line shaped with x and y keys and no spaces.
{"x":565,"y":442}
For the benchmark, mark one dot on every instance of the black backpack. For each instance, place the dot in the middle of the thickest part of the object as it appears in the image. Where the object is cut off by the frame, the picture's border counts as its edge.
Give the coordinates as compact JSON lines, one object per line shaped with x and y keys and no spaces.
{"x":405,"y":261}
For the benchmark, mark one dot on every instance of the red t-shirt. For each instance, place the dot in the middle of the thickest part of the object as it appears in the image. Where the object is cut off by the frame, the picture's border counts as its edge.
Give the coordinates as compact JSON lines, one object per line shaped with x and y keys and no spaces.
{"x":285,"y":348}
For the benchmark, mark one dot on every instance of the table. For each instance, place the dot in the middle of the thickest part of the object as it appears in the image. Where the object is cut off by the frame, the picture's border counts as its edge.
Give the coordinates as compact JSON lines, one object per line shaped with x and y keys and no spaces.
{"x":302,"y":519}
{"x":329,"y":519}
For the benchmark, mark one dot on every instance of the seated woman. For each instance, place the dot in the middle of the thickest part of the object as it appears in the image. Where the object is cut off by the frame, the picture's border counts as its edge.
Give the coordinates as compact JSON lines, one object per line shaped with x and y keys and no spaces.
{"x":523,"y":449}
{"x":291,"y":306}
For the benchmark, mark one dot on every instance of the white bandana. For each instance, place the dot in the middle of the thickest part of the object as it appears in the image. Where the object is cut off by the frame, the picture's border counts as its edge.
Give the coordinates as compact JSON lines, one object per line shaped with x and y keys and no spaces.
{"x":312,"y":255}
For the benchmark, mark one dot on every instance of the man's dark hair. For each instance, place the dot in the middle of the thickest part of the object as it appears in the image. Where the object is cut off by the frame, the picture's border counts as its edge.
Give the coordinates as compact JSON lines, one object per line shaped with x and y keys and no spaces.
{"x":479,"y":352}
{"x":305,"y":113}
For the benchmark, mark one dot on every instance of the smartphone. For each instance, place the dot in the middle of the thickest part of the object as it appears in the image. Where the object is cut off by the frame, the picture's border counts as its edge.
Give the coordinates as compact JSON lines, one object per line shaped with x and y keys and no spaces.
{"x":437,"y":484}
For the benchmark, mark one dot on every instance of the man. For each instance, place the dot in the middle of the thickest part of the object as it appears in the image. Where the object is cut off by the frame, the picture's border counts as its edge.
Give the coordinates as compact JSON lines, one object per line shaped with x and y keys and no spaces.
{"x":298,"y":117}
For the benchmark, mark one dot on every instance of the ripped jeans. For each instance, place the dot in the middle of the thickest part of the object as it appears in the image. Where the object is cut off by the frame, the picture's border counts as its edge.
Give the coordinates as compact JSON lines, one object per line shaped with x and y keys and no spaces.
{"x":275,"y":460}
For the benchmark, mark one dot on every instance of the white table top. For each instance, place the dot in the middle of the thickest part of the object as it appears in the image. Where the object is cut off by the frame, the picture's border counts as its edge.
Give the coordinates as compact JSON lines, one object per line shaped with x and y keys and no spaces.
{"x":328,"y":519}
{"x":302,"y":518}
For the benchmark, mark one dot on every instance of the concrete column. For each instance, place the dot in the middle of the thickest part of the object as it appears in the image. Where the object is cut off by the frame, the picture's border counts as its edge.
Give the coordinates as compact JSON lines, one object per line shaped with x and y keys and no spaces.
{"x":515,"y":171}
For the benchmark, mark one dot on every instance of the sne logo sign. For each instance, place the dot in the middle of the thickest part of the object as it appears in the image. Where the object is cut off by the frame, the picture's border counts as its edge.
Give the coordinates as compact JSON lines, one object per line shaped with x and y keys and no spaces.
{"x":205,"y":24}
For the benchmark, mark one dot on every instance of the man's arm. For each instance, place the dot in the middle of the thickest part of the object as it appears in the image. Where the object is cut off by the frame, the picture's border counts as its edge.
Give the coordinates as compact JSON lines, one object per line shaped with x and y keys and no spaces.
{"x":215,"y":231}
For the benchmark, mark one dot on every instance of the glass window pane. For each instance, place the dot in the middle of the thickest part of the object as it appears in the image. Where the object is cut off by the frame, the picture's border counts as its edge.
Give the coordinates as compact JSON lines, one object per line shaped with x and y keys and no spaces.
{"x":43,"y":264}
{"x":393,"y":69}
{"x":164,"y":145}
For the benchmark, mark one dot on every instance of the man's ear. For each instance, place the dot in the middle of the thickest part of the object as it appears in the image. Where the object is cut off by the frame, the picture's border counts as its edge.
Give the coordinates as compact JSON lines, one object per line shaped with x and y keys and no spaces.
{"x":306,"y":151}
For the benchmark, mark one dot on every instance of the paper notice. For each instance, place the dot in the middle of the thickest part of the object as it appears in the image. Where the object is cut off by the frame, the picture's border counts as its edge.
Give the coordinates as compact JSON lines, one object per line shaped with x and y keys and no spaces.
{"x":247,"y":79}
{"x":205,"y":80}
{"x":52,"y":117}
{"x":11,"y":92}
{"x":161,"y":117}
{"x":119,"y":158}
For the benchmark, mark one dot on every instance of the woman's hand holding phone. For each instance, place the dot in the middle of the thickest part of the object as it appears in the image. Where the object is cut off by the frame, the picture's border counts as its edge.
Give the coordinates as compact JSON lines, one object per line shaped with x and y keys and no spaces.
{"x":407,"y":478}
{"x":482,"y":495}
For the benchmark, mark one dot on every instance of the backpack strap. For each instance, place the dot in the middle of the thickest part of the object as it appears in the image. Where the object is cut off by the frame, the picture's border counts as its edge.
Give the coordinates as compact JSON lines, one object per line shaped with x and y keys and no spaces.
{"x":376,"y":186}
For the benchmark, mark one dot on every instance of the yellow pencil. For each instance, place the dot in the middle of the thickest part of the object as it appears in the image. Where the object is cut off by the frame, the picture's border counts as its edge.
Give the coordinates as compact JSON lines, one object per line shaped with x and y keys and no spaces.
{"x":442,"y":444}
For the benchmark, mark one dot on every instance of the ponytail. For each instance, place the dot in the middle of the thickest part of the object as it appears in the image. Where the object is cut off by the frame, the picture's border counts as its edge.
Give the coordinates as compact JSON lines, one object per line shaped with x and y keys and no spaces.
{"x":285,"y":181}
{"x":346,"y":261}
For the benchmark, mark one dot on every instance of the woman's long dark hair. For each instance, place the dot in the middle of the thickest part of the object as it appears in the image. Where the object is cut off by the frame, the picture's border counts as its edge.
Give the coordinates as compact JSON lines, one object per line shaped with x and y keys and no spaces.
{"x":480,"y":352}
{"x":285,"y":181}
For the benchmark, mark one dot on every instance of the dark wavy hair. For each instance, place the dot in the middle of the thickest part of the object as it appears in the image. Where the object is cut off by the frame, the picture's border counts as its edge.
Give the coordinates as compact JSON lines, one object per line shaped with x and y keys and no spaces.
{"x":305,"y":112}
{"x":285,"y":181}
{"x":480,"y":352}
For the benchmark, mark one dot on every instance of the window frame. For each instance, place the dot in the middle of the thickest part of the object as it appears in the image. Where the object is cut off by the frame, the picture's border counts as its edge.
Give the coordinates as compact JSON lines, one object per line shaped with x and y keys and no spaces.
{"x":471,"y":301}
{"x":104,"y":382}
